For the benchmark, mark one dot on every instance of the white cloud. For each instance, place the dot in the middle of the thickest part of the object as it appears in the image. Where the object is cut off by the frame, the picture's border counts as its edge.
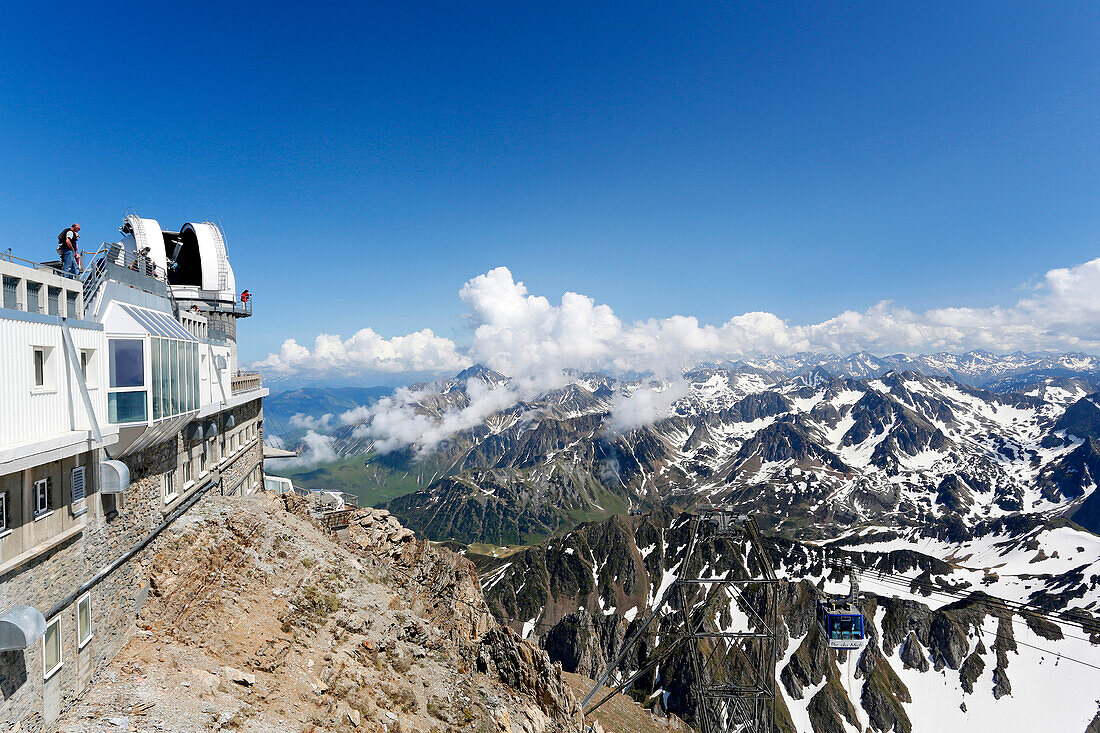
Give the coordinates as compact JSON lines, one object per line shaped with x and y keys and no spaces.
{"x":365,"y":352}
{"x":532,"y":339}
{"x":316,"y":448}
{"x":302,"y":420}
{"x":396,"y":422}
{"x":644,"y":405}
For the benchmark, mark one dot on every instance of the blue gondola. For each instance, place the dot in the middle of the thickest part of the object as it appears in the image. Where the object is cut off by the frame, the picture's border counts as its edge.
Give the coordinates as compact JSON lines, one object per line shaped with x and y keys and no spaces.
{"x":841,"y":624}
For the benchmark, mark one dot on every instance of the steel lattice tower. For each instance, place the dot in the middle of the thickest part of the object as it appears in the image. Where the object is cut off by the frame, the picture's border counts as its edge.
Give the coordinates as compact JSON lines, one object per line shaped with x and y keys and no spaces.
{"x":728,"y":623}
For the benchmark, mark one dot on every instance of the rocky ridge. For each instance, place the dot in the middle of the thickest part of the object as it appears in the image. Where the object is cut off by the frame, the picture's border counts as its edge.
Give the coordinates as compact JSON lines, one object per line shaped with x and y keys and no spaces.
{"x":258,"y":620}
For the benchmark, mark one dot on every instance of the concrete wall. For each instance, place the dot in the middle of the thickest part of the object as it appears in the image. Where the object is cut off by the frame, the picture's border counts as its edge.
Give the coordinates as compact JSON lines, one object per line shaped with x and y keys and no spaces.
{"x":113,"y":525}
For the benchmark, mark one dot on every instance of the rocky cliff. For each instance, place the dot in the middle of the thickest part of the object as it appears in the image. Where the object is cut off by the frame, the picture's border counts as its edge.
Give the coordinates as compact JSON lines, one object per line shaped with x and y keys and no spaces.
{"x":258,"y":620}
{"x":938,"y":648}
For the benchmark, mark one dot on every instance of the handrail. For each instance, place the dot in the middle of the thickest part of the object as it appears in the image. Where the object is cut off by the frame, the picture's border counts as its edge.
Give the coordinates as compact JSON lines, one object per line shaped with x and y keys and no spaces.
{"x":9,"y":257}
{"x":115,"y":254}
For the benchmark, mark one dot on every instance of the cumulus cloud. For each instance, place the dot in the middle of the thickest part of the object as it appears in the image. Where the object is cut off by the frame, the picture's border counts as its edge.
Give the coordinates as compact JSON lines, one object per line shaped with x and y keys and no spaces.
{"x":534,"y":341}
{"x":365,"y":352}
{"x":531,"y":338}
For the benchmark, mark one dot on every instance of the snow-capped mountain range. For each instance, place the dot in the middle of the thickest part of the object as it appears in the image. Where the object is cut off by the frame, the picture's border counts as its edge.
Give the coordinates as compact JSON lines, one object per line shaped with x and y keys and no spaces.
{"x":959,"y":482}
{"x":817,"y":452}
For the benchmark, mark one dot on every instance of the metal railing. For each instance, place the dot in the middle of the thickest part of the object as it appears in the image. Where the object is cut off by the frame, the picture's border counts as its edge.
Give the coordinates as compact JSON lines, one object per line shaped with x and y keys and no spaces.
{"x":7,"y":256}
{"x":321,"y":500}
{"x":246,"y":382}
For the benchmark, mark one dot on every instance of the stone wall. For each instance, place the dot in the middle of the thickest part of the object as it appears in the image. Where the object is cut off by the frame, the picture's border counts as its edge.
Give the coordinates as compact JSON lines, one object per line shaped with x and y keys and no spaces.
{"x":114,"y":525}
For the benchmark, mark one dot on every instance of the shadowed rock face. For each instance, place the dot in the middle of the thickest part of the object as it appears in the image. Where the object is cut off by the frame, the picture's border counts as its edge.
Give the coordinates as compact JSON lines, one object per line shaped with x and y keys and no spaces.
{"x":567,"y":586}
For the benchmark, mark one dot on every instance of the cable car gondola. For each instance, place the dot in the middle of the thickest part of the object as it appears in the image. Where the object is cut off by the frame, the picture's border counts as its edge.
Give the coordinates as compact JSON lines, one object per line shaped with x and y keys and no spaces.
{"x":840,"y":620}
{"x":841,"y":624}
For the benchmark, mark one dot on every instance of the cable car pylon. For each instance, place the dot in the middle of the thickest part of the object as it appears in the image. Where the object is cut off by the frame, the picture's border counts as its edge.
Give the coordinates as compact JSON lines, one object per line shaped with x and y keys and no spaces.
{"x":728,"y":623}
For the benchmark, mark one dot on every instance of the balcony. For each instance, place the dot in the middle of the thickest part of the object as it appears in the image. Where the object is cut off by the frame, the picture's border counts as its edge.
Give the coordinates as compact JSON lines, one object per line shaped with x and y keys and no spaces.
{"x":246,"y":382}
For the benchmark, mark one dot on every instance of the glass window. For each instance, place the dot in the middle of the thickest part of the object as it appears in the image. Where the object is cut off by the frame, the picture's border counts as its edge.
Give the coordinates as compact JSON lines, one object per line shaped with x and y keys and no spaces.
{"x":173,"y":392}
{"x":43,"y":502}
{"x":53,"y":301}
{"x":165,"y":376}
{"x":127,"y":363}
{"x":84,"y":620}
{"x":155,"y":379}
{"x":169,"y":485}
{"x":71,"y":309}
{"x":51,"y":648}
{"x":194,"y":376}
{"x":39,"y":367}
{"x":187,"y":468}
{"x":126,"y":407}
{"x":4,"y":512}
{"x":33,"y":290}
{"x":11,"y":292}
{"x":185,"y":376}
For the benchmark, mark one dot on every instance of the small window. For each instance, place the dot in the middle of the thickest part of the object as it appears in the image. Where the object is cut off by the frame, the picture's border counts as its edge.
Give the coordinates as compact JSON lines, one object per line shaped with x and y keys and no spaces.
{"x":84,"y":620}
{"x":51,"y":648}
{"x":11,"y":292}
{"x":187,"y":469}
{"x":4,"y":513}
{"x":53,"y":301}
{"x":78,"y":489}
{"x":39,"y":367}
{"x":71,"y":309}
{"x":33,"y":289}
{"x":43,"y":503}
{"x":169,"y":486}
{"x":204,"y":459}
{"x":87,"y":366}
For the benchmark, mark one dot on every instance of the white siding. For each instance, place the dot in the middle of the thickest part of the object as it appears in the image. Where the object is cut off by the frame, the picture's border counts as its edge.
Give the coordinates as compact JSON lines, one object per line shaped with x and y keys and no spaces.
{"x":28,"y":413}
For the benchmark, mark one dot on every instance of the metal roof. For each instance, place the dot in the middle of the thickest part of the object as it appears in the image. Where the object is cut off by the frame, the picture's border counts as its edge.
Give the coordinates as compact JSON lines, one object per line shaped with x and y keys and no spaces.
{"x":158,"y":324}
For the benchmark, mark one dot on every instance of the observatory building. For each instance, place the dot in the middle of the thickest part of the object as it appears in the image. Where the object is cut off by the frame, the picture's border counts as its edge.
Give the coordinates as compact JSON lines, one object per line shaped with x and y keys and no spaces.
{"x":121,"y":407}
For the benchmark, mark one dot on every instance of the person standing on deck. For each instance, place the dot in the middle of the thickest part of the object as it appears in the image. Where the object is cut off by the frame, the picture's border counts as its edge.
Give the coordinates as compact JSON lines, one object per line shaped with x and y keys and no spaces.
{"x":67,"y":249}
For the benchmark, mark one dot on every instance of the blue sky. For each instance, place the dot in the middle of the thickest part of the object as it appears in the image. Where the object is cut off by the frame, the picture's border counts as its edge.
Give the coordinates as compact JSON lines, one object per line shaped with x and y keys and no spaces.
{"x":367,"y":159}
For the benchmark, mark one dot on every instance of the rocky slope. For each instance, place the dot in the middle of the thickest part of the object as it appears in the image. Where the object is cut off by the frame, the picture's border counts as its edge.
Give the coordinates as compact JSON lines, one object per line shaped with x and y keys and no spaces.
{"x":257,"y":620}
{"x":943,"y":653}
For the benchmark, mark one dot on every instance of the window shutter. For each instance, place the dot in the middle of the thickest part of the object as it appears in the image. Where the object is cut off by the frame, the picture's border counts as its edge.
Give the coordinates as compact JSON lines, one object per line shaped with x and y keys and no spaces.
{"x":77,"y":485}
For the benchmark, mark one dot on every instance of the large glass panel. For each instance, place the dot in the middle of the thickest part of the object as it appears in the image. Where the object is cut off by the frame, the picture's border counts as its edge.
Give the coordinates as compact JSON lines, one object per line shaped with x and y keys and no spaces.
{"x":126,"y":406}
{"x":174,"y":386}
{"x":165,"y":376}
{"x":127,"y":363}
{"x":158,"y":393}
{"x":194,"y":376}
{"x":185,"y":377}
